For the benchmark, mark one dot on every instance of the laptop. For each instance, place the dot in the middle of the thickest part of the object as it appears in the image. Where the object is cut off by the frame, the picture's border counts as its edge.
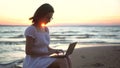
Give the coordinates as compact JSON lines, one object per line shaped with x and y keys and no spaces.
{"x":68,"y":52}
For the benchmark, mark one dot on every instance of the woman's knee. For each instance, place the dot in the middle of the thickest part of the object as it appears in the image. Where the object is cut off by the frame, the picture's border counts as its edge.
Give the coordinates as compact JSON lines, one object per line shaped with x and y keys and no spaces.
{"x":60,"y":63}
{"x":55,"y":64}
{"x":60,"y":60}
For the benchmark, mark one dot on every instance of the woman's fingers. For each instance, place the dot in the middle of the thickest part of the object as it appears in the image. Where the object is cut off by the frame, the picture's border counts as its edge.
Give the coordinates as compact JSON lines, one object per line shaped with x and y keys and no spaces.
{"x":59,"y":51}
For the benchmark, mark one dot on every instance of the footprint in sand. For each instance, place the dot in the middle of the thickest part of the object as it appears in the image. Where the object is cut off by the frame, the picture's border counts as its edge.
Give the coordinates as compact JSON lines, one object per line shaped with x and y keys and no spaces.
{"x":97,"y":65}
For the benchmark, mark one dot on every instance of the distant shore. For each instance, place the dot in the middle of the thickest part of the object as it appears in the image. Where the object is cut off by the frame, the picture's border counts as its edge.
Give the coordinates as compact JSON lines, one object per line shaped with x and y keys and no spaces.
{"x":13,"y":25}
{"x":69,"y":25}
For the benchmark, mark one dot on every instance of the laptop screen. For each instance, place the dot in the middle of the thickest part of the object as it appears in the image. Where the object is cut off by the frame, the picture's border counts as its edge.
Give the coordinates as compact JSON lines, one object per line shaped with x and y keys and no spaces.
{"x":71,"y":48}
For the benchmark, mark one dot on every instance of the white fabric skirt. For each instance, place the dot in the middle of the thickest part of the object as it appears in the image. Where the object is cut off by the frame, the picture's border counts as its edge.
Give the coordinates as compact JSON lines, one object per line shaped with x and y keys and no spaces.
{"x":37,"y":62}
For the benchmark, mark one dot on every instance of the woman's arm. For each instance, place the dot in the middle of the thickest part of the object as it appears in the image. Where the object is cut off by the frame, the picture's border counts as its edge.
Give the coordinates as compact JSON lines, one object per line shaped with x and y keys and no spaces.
{"x":32,"y":50}
{"x":52,"y":50}
{"x":55,"y":50}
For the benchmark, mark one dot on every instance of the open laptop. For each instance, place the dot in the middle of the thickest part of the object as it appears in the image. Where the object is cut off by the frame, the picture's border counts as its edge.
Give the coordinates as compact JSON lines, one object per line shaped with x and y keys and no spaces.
{"x":68,"y":52}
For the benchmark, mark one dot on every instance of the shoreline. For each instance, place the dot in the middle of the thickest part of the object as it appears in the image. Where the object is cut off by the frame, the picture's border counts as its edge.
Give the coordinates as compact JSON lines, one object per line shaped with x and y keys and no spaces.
{"x":88,"y":56}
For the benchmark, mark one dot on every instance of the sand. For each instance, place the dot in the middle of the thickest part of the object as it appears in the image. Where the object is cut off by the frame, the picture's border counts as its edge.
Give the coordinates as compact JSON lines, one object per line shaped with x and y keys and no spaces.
{"x":96,"y":57}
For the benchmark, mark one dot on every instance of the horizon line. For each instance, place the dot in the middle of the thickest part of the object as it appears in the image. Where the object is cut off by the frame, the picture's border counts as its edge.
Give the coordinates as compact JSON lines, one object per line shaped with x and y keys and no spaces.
{"x":63,"y":25}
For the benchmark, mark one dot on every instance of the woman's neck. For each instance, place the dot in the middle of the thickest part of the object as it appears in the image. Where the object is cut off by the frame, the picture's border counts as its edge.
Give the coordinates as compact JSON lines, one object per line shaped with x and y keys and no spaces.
{"x":40,"y":28}
{"x":37,"y":25}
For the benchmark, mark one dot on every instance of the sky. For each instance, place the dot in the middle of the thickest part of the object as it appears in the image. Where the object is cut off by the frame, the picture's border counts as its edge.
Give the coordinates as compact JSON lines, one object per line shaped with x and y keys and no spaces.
{"x":67,"y":12}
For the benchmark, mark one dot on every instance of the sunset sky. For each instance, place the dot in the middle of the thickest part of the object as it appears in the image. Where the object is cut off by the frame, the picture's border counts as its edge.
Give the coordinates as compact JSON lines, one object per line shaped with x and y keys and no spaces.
{"x":67,"y":12}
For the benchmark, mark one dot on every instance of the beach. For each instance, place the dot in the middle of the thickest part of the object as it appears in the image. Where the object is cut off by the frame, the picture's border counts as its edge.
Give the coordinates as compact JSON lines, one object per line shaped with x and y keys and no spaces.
{"x":98,"y":46}
{"x":96,"y":57}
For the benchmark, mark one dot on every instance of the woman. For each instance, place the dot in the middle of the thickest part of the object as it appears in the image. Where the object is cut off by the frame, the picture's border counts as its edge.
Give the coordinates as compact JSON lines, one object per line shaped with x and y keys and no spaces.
{"x":37,"y":42}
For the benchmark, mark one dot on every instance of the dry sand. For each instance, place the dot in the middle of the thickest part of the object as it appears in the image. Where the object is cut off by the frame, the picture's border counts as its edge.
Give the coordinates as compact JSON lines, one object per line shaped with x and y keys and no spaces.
{"x":96,"y":57}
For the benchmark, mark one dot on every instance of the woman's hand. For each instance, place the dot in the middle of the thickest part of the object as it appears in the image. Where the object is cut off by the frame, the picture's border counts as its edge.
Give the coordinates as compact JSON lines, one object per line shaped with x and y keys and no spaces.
{"x":59,"y":51}
{"x":55,"y":51}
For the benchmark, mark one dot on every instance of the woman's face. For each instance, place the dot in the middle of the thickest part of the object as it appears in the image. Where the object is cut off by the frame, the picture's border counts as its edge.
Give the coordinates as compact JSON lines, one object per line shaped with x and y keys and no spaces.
{"x":47,"y":18}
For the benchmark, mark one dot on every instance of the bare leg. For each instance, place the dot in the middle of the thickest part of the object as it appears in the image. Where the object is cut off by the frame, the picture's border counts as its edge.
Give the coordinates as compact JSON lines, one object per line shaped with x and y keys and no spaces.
{"x":61,"y":62}
{"x":69,"y":62}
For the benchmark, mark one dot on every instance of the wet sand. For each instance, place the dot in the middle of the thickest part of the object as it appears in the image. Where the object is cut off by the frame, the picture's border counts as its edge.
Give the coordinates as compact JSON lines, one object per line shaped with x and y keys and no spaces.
{"x":96,"y":57}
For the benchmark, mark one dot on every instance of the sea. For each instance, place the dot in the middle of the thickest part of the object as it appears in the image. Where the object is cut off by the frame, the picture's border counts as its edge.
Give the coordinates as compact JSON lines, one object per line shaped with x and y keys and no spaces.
{"x":12,"y":40}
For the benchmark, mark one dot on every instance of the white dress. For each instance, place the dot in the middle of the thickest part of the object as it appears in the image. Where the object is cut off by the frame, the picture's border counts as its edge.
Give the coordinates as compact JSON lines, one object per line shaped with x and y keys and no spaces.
{"x":42,"y":40}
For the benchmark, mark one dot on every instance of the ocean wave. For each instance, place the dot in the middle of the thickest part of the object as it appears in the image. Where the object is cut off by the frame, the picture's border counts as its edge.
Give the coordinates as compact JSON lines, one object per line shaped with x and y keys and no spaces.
{"x":11,"y":48}
{"x":12,"y":36}
{"x":11,"y":42}
{"x":13,"y":64}
{"x":110,"y":36}
{"x":99,"y":42}
{"x":83,"y":42}
{"x":62,"y":35}
{"x":114,"y":30}
{"x":60,"y":41}
{"x":73,"y":35}
{"x":19,"y":36}
{"x":10,"y":32}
